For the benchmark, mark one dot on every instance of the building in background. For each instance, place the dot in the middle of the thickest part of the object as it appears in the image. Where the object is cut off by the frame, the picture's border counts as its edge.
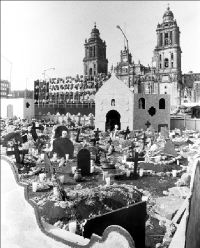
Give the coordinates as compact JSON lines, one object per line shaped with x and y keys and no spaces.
{"x":5,"y":89}
{"x":191,"y":88}
{"x":163,"y":76}
{"x":22,"y":94}
{"x":95,"y":61}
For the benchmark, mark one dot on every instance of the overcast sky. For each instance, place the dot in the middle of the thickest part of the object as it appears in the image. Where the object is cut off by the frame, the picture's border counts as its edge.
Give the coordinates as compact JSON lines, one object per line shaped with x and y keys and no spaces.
{"x":37,"y":35}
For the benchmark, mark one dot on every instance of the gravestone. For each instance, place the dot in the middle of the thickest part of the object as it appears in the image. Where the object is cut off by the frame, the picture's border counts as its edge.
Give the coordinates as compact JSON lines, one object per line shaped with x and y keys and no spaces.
{"x":170,"y":148}
{"x":63,"y":146}
{"x":83,"y":161}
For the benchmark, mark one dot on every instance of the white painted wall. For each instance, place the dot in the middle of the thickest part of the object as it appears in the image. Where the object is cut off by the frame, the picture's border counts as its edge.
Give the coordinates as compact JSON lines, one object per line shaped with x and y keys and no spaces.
{"x":19,"y":107}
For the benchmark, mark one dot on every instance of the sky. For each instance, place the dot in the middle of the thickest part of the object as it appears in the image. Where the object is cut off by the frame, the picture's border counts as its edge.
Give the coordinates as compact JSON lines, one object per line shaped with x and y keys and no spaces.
{"x":41,"y":35}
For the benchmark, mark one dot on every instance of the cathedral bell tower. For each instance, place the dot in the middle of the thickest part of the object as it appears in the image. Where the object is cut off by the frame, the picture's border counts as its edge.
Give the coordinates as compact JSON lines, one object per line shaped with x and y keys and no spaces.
{"x":167,"y":55}
{"x":95,"y":60}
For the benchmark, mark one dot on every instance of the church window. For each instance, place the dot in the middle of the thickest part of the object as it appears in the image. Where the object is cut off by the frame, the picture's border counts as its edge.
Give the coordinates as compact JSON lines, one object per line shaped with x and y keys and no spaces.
{"x":172,"y":64}
{"x":165,"y":87}
{"x":94,"y":51}
{"x":166,"y":39}
{"x":160,"y":57}
{"x":141,"y":103}
{"x":172,"y":56}
{"x":162,"y":103}
{"x":160,"y":66}
{"x":113,"y":102}
{"x":90,"y":52}
{"x":166,"y":63}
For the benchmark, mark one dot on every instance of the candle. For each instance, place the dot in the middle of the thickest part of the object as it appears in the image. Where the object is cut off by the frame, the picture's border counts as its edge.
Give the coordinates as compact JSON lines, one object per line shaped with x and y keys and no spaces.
{"x":107,"y":181}
{"x":61,"y":178}
{"x":128,"y":173}
{"x":91,"y":169}
{"x":73,"y":169}
{"x":55,"y":155}
{"x":34,"y":186}
{"x":141,"y":172}
{"x":42,"y":156}
{"x":91,"y":162}
{"x":72,"y":226}
{"x":66,"y":157}
{"x":174,"y":173}
{"x":178,"y":162}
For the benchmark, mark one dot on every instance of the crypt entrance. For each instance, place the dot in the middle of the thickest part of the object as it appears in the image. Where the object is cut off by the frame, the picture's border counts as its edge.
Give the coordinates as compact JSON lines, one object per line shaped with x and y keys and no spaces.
{"x":112,"y":119}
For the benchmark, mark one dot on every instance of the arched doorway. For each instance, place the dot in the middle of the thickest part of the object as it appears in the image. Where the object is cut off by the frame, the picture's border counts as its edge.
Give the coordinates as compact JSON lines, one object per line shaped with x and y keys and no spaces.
{"x":112,"y":119}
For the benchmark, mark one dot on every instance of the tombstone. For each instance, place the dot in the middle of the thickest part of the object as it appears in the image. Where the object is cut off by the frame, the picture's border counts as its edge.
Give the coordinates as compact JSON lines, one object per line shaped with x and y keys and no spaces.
{"x":169,"y":148}
{"x":83,"y":162}
{"x":63,"y":146}
{"x":164,"y":132}
{"x":59,"y":129}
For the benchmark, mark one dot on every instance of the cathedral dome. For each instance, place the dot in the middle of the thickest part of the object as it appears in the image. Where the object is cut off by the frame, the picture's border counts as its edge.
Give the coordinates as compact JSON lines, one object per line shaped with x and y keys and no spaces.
{"x":168,"y":15}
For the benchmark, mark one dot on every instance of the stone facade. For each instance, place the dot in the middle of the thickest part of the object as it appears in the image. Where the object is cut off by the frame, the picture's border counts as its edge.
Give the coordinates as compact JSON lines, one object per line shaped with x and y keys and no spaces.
{"x":116,"y":104}
{"x":95,"y":55}
{"x":164,"y":75}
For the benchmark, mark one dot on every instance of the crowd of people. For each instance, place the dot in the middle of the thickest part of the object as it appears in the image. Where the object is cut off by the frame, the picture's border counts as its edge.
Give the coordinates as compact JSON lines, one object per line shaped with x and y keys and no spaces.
{"x":68,"y":90}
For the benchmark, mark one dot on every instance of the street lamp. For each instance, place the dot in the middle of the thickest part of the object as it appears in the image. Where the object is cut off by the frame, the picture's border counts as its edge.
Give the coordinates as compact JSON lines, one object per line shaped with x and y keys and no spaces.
{"x":127,"y":51}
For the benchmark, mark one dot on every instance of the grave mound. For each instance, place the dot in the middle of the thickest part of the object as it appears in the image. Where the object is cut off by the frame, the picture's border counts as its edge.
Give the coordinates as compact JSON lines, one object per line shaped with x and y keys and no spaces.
{"x":85,"y":203}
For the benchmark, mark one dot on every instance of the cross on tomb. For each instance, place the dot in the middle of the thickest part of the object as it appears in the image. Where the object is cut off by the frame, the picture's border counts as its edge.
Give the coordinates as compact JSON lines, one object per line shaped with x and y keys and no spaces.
{"x":110,"y":141}
{"x":147,"y":124}
{"x":33,"y":131}
{"x":17,"y":153}
{"x":97,"y":134}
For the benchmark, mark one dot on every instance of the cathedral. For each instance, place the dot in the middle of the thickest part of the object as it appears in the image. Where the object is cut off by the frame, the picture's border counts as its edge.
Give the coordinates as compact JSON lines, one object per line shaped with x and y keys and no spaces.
{"x":162,"y":77}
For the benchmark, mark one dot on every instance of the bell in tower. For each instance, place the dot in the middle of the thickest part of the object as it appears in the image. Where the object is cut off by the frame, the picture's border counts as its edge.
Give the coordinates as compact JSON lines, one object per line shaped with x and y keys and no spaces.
{"x":95,"y":60}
